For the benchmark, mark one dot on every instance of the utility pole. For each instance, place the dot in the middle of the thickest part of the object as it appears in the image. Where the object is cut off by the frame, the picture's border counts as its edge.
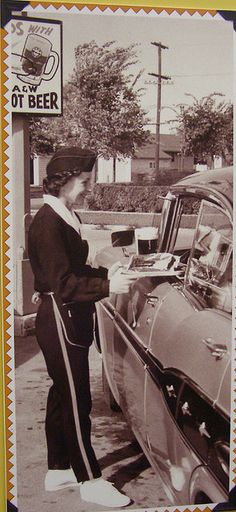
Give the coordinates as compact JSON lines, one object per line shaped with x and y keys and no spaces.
{"x":158,"y":111}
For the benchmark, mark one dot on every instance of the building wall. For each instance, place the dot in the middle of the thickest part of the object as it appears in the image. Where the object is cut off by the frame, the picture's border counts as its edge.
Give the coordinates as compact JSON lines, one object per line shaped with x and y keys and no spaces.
{"x":145,"y":167}
{"x":105,"y":170}
{"x":183,"y":163}
{"x":39,"y":168}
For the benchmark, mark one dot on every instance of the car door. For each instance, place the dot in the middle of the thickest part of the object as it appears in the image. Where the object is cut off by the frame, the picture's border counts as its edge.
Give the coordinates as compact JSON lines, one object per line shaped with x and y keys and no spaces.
{"x":135,"y":314}
{"x":130,"y":357}
{"x":125,"y":324}
{"x":105,"y":317}
{"x":106,"y":311}
{"x":191,"y":344}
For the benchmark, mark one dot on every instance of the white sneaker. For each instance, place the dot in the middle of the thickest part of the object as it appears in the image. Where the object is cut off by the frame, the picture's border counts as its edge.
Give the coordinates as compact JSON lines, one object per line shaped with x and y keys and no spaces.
{"x":102,"y":492}
{"x":56,"y":479}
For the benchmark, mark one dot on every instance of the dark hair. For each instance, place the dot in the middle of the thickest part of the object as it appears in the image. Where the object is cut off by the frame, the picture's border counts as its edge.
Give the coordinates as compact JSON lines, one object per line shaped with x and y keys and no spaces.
{"x":52,"y":185}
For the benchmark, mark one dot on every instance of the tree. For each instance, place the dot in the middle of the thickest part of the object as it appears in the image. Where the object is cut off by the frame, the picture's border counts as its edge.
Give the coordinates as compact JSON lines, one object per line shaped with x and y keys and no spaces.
{"x":41,"y":136}
{"x":101,"y":104}
{"x":207,"y":128}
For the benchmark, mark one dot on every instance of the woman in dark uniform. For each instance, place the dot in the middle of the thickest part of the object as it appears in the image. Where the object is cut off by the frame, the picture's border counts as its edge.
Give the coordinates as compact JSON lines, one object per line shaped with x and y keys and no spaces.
{"x":68,"y":289}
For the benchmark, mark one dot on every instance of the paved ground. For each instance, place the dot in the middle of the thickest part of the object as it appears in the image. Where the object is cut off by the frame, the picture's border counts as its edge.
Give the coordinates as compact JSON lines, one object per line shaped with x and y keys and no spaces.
{"x":120,"y":457}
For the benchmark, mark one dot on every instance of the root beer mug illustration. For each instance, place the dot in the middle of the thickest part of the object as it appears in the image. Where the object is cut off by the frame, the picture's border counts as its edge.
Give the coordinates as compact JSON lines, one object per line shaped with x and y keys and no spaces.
{"x":38,"y":61}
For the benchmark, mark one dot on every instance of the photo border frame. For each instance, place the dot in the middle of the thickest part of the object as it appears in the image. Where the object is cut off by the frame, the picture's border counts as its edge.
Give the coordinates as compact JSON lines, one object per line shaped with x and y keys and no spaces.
{"x":227,"y":9}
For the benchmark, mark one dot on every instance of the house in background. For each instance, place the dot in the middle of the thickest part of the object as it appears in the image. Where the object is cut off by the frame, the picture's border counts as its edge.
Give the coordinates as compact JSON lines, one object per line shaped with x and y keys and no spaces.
{"x":138,"y":169}
{"x":141,"y":167}
{"x":171,"y":159}
{"x":102,"y":173}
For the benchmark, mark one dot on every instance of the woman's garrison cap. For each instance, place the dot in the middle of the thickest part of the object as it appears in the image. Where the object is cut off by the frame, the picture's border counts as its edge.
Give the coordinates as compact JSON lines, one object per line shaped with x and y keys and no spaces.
{"x":71,"y":159}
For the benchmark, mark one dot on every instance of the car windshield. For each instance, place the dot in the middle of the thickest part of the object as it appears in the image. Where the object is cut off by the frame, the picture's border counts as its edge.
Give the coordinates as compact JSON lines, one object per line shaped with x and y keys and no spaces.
{"x":210,"y":264}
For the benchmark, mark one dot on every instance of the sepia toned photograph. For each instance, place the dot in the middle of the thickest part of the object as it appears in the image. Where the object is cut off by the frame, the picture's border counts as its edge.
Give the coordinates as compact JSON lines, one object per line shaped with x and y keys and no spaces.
{"x":120,"y":191}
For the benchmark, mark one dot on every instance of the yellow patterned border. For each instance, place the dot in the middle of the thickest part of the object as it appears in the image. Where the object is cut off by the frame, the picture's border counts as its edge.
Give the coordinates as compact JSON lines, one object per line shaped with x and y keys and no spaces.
{"x":191,"y":7}
{"x":114,"y":7}
{"x":2,"y":402}
{"x":5,"y":411}
{"x":195,"y":5}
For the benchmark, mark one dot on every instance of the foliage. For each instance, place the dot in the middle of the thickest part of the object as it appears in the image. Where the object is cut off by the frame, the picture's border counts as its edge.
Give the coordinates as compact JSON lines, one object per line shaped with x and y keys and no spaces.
{"x":101,"y":105}
{"x":207,"y":127}
{"x":41,"y":136}
{"x":126,"y":198}
{"x":168,"y":176}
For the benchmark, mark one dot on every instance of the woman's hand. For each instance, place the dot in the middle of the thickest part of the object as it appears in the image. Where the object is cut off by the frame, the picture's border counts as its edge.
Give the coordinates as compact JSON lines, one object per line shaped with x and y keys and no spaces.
{"x":112,"y":270}
{"x":121,"y":282}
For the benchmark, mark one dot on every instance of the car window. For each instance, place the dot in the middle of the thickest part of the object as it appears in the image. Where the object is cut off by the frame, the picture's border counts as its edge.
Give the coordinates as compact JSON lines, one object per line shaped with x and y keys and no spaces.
{"x":185,"y":224}
{"x":209,"y":273}
{"x":168,"y":213}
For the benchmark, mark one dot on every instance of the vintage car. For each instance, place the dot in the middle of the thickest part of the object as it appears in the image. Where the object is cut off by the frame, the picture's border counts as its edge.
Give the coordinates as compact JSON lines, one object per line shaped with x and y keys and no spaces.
{"x":166,"y":346}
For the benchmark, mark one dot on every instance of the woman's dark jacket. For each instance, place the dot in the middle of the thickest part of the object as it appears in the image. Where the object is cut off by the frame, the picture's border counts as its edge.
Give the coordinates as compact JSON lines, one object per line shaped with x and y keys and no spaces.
{"x":58,"y":258}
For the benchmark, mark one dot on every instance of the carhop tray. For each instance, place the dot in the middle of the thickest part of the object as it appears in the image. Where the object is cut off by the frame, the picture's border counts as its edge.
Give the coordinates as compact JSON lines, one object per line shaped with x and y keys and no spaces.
{"x":160,"y":264}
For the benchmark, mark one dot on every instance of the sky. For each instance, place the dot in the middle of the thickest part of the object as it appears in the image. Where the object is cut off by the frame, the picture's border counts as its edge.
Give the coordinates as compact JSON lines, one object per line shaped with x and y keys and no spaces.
{"x":199,"y":58}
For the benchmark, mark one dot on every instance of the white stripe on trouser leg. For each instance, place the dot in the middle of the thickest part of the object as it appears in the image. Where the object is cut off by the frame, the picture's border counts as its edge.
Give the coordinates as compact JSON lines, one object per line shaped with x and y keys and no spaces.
{"x":75,"y":406}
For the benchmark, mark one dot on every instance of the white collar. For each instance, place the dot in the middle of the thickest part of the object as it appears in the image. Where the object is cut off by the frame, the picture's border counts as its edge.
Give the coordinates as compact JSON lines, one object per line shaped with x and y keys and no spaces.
{"x":68,"y":216}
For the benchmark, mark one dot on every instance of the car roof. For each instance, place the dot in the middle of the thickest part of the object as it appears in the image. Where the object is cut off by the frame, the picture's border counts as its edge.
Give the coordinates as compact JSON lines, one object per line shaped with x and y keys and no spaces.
{"x":219,"y":180}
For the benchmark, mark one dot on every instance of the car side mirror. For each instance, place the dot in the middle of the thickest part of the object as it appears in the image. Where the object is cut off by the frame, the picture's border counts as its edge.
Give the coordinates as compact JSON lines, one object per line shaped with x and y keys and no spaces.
{"x":122,"y":238}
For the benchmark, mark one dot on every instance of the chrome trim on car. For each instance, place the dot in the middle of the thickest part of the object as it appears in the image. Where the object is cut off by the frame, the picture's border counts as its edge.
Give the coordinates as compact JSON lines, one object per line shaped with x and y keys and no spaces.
{"x":217,"y":350}
{"x":110,"y":310}
{"x":204,"y":192}
{"x":179,"y":286}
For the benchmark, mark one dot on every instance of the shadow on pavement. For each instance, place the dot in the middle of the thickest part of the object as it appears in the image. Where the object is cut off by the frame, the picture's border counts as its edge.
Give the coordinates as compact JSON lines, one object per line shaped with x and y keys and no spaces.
{"x":25,"y":348}
{"x":125,"y":474}
{"x":125,"y":471}
{"x":120,"y":454}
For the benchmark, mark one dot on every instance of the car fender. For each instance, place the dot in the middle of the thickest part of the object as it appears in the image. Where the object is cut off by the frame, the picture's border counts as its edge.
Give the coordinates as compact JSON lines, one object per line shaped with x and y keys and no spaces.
{"x":202,"y":483}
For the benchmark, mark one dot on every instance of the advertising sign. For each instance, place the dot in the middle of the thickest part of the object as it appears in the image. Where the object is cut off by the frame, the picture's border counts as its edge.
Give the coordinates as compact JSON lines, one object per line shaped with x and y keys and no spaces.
{"x":36,"y":66}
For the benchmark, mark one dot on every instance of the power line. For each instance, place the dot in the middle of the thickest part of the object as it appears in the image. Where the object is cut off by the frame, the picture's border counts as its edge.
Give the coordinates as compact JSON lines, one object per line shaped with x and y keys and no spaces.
{"x":202,"y":75}
{"x":152,"y":82}
{"x":186,"y":45}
